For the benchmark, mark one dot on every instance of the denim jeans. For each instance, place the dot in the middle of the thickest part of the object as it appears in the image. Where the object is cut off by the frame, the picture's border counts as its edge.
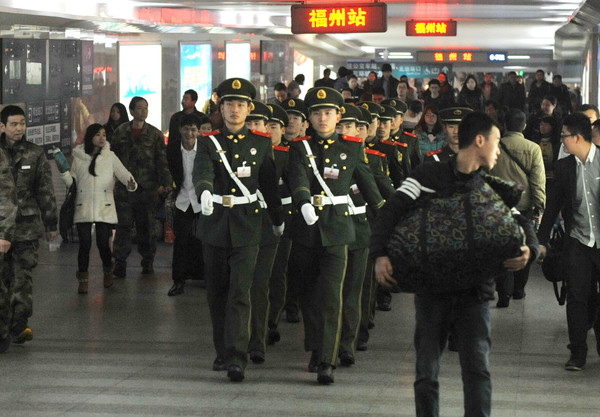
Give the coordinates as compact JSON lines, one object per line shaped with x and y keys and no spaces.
{"x":470,"y":318}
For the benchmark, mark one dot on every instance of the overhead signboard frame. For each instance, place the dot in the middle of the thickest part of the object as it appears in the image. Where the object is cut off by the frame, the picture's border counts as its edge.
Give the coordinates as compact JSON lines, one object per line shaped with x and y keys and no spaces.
{"x":339,"y":18}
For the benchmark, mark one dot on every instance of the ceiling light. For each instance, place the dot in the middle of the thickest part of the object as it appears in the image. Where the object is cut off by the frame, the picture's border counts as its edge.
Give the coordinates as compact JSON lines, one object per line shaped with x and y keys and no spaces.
{"x":519,"y":57}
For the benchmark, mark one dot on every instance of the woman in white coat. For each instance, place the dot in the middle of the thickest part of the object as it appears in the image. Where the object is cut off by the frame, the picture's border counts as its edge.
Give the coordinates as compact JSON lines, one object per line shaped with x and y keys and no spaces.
{"x":94,"y":170}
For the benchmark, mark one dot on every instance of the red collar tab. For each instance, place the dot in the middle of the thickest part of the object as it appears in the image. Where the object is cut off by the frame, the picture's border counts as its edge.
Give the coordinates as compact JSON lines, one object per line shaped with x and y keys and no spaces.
{"x":281,"y":148}
{"x":214,"y":132}
{"x":352,"y":139}
{"x":374,"y":152}
{"x":302,"y":138}
{"x":256,"y":132}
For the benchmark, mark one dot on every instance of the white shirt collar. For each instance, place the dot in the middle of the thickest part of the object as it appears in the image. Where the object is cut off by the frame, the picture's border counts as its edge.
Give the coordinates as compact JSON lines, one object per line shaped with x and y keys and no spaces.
{"x":193,"y":149}
{"x":590,"y":157}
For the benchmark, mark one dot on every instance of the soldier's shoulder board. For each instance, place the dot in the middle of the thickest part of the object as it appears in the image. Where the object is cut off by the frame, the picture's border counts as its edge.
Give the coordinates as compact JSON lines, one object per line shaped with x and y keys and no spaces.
{"x":214,"y":132}
{"x":387,"y":142}
{"x":374,"y":152}
{"x":302,"y":138}
{"x":404,"y":145}
{"x":352,"y":139}
{"x":437,"y":151}
{"x":256,"y":132}
{"x":281,"y":148}
{"x":412,"y":135}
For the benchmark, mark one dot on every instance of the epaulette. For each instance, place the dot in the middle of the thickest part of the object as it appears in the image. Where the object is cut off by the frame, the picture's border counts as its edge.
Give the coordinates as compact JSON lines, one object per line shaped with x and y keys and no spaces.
{"x":302,"y":138}
{"x":404,"y":145}
{"x":410,"y":134}
{"x":374,"y":152}
{"x":437,"y":151}
{"x":352,"y":139}
{"x":387,"y":142}
{"x":214,"y":132}
{"x":281,"y":148}
{"x":256,"y":132}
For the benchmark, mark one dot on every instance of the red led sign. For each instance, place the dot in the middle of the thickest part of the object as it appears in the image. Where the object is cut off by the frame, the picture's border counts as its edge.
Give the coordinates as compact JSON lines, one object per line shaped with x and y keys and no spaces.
{"x":339,"y":18}
{"x":431,"y":28}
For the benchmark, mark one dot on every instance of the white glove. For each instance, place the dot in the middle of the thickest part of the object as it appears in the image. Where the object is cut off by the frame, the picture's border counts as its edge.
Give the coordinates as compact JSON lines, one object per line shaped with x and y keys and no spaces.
{"x":206,"y":203}
{"x":278,"y":230}
{"x":308,"y":212}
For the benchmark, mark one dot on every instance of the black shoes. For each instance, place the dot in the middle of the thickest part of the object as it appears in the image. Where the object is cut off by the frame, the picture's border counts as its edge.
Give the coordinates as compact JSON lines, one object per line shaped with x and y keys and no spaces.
{"x":361,"y":346}
{"x":235,"y":373}
{"x":148,"y":270}
{"x":371,"y":324}
{"x":4,"y":344}
{"x":325,"y":374}
{"x":119,"y":270}
{"x":518,"y":294}
{"x":384,"y":306}
{"x":176,"y":289}
{"x":347,"y":358}
{"x":219,"y":364}
{"x":292,"y":316}
{"x":503,"y":301}
{"x":576,"y":362}
{"x":257,"y":357}
{"x":273,"y":336}
{"x":315,"y":360}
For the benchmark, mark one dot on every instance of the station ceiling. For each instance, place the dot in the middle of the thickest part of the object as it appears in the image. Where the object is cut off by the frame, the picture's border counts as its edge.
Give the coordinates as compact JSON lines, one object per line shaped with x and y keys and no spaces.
{"x":515,"y":26}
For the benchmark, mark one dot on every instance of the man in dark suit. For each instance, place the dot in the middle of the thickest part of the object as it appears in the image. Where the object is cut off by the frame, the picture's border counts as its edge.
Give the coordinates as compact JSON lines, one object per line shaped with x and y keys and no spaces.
{"x":576,"y":193}
{"x":187,"y":249}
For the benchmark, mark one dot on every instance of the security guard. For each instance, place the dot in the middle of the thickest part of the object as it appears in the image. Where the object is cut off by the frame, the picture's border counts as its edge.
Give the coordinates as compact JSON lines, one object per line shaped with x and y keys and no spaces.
{"x":230,"y":167}
{"x":8,"y":213}
{"x":321,"y":170}
{"x":384,"y":144}
{"x":450,"y":117}
{"x":406,"y":140}
{"x":283,"y":291}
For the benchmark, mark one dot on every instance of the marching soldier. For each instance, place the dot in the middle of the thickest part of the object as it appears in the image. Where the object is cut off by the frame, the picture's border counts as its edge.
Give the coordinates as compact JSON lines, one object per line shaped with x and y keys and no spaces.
{"x":406,"y":140}
{"x":321,"y":170}
{"x":451,"y":117}
{"x":36,"y":213}
{"x":230,"y":167}
{"x":384,"y":144}
{"x":8,"y":212}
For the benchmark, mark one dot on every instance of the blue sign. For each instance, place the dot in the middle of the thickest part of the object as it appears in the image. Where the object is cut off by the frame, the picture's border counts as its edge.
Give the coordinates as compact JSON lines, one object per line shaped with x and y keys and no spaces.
{"x":497,"y":57}
{"x":196,"y":69}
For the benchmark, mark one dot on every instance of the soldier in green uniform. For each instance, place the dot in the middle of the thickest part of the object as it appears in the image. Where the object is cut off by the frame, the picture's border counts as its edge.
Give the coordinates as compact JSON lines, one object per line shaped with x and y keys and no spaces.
{"x":230,"y":167}
{"x":8,"y":213}
{"x":141,"y":148}
{"x":408,"y":141}
{"x":450,"y":117}
{"x":36,"y":213}
{"x":283,"y":287}
{"x":321,"y":170}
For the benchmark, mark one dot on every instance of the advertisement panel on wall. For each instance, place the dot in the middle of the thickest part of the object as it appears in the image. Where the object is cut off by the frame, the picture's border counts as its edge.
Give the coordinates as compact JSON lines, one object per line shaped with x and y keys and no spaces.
{"x":195,"y":69}
{"x":237,"y":60}
{"x":140,"y":74}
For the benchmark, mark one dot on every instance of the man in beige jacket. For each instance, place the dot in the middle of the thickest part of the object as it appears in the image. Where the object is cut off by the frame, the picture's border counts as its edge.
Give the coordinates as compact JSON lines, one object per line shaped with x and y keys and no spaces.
{"x":520,"y":161}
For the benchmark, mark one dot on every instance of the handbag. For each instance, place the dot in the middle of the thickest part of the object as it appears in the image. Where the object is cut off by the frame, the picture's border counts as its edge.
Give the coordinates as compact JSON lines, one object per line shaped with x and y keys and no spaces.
{"x":456,"y":242}
{"x":67,"y":212}
{"x":553,"y":266}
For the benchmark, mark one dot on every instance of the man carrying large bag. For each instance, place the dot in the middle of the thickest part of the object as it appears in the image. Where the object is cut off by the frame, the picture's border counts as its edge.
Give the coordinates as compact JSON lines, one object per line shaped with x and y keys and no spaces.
{"x":467,"y":305}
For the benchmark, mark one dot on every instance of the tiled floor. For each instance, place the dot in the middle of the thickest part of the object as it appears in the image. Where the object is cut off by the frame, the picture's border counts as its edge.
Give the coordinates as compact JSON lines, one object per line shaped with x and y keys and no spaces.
{"x":133,"y":351}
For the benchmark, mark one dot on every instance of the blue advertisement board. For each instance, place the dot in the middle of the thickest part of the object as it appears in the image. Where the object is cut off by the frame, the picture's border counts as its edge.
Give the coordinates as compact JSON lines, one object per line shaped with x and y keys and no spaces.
{"x":196,"y":69}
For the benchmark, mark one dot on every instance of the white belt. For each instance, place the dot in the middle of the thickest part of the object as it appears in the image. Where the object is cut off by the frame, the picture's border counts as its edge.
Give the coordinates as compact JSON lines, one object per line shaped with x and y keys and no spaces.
{"x":232,"y":200}
{"x":359,"y":210}
{"x":286,"y":200}
{"x":323,"y":200}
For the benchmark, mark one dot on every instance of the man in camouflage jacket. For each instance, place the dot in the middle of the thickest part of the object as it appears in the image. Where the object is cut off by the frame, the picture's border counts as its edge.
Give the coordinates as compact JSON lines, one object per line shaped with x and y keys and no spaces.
{"x":36,"y":213}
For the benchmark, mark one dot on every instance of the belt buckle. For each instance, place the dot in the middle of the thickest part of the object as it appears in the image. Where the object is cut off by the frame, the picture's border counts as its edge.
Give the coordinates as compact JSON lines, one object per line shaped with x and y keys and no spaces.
{"x":228,"y":201}
{"x":317,"y":200}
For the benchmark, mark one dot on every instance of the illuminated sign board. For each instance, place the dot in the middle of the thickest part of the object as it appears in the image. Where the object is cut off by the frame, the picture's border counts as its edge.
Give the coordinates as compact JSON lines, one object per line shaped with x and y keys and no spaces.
{"x":195,"y":68}
{"x":431,"y":28}
{"x":457,"y":57}
{"x":339,"y":18}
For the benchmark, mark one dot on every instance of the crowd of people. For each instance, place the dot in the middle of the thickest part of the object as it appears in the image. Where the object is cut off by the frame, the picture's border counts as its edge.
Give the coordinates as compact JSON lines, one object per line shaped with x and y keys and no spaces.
{"x":288,"y":206}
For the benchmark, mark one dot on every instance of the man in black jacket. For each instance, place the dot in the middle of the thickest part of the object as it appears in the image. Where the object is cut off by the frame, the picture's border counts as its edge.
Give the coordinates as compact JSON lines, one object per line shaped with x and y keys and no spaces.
{"x":576,"y":193}
{"x":468,"y":310}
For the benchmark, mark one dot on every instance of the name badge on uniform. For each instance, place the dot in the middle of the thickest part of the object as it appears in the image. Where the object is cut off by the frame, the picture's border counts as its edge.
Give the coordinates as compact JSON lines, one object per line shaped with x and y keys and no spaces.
{"x":355,"y":189}
{"x":331,"y":173}
{"x":25,"y":166}
{"x":243,"y":171}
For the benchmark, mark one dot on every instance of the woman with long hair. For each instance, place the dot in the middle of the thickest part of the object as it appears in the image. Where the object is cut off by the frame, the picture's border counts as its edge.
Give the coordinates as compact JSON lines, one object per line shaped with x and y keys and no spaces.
{"x":471,"y":95}
{"x":430,"y":131}
{"x":118,"y":116}
{"x":94,"y":170}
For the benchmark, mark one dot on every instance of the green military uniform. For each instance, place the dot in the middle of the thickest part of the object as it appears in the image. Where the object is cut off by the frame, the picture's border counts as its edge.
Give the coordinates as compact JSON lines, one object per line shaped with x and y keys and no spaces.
{"x":439,"y":155}
{"x":393,"y":152}
{"x":409,"y":144}
{"x":8,"y":213}
{"x":231,"y":234}
{"x":145,"y":157}
{"x":320,"y":250}
{"x":448,"y":116}
{"x":283,"y":288}
{"x":36,"y":213}
{"x":269,"y":243}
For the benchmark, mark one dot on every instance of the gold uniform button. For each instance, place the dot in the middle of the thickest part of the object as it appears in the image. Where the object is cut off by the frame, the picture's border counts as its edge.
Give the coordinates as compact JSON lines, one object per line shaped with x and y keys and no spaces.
{"x":236,"y":156}
{"x":326,"y":146}
{"x":344,"y":168}
{"x":322,"y":192}
{"x":253,"y":162}
{"x":327,"y":160}
{"x":289,"y":211}
{"x":321,"y":208}
{"x":220,"y":160}
{"x":256,"y":211}
{"x":233,"y":190}
{"x":235,"y":141}
{"x":309,"y":165}
{"x":345,"y":213}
